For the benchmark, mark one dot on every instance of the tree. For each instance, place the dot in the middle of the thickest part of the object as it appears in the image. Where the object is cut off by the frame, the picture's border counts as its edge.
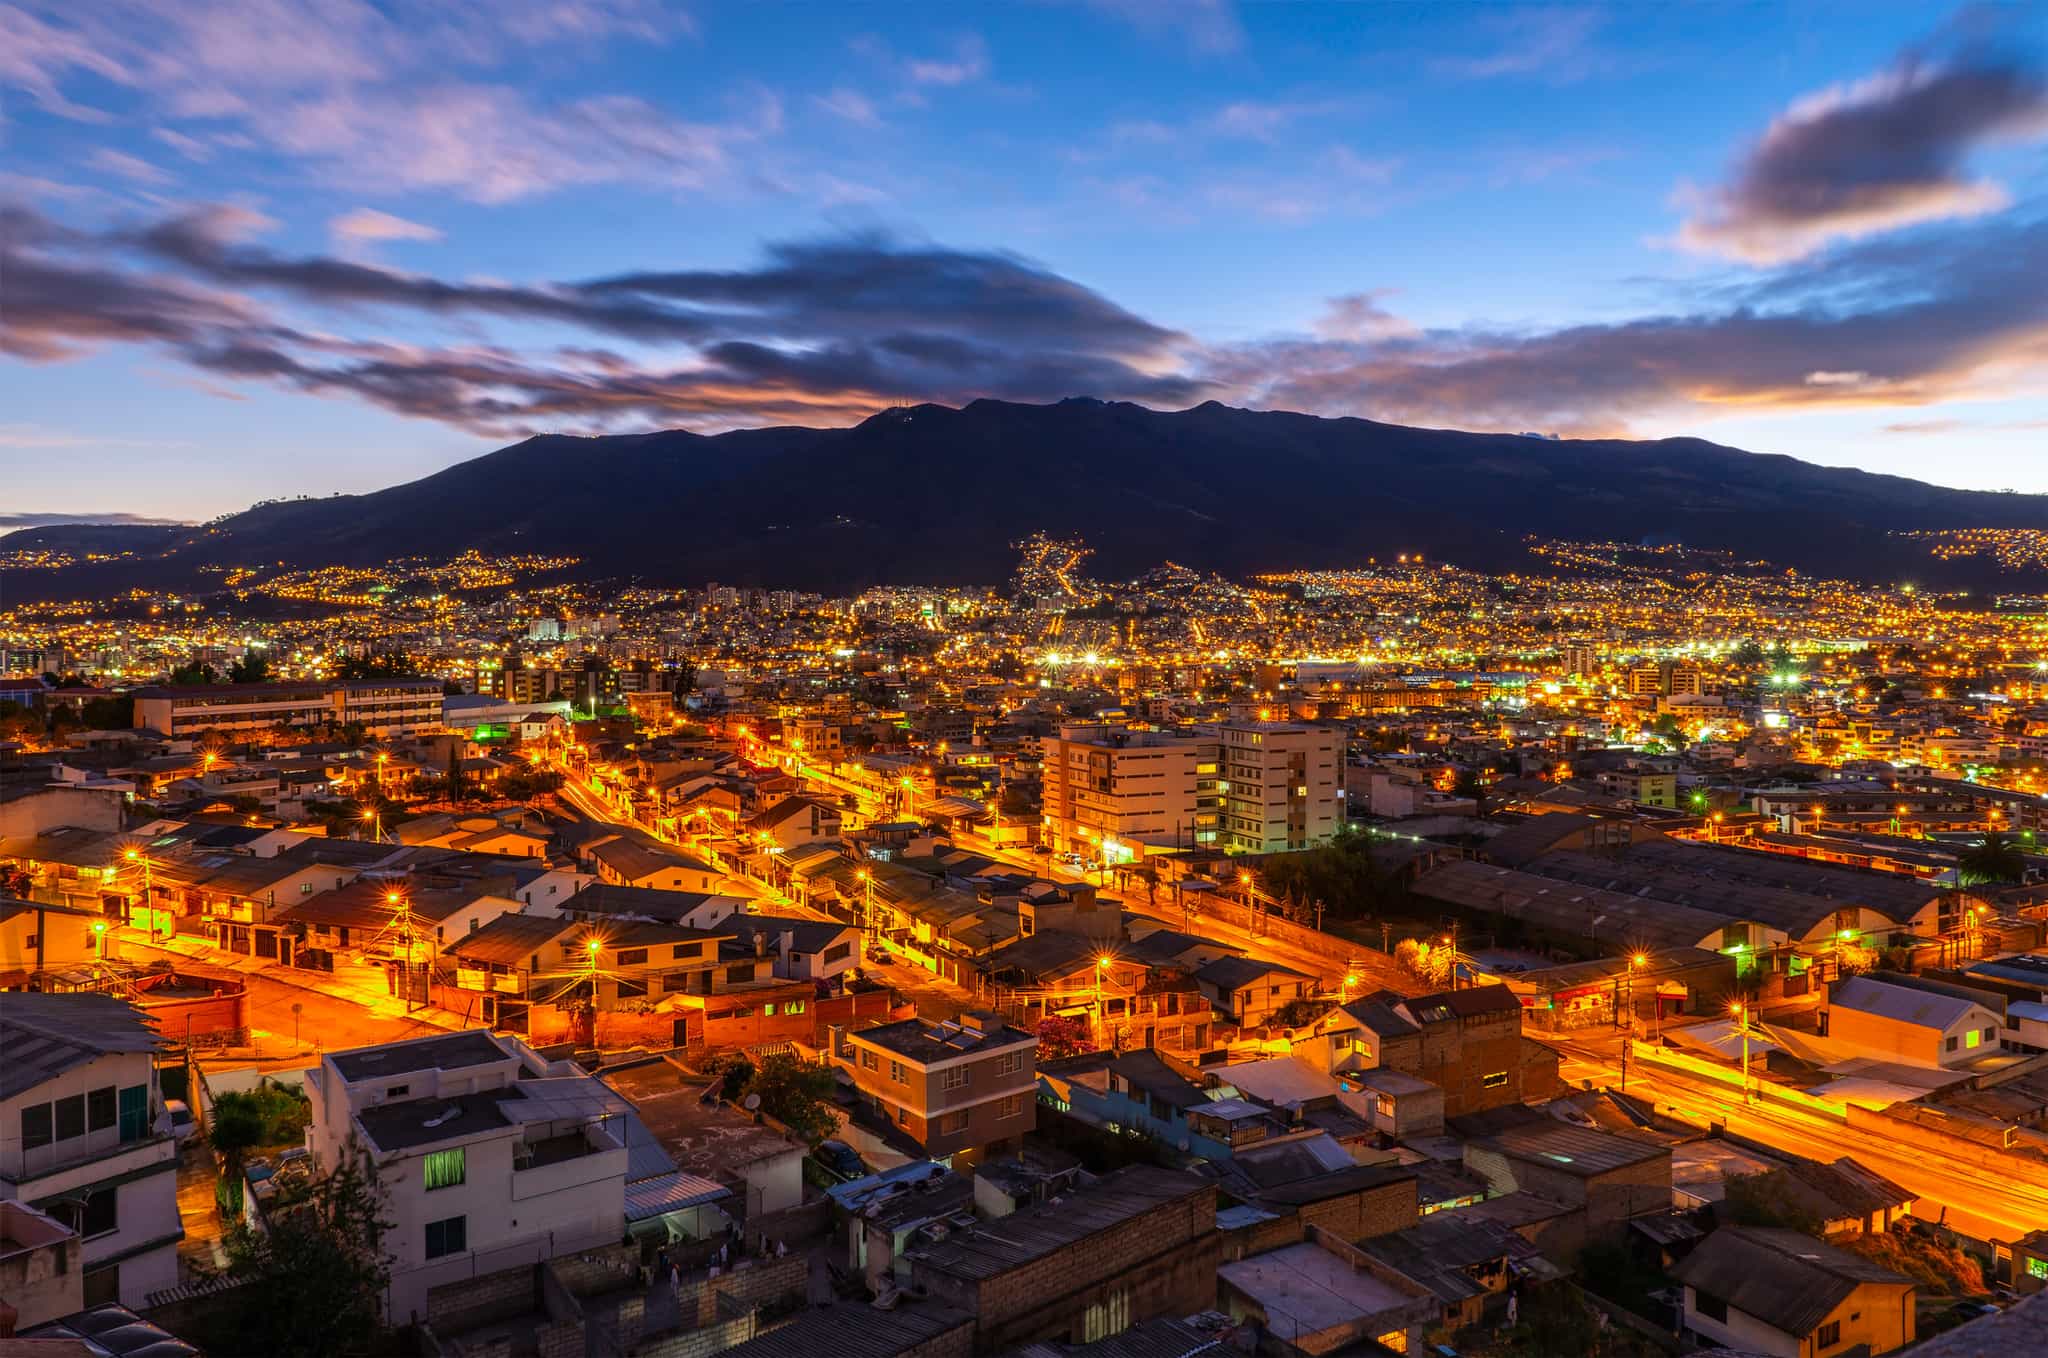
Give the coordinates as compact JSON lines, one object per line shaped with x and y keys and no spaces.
{"x":194,"y":672}
{"x":1761,"y":1200}
{"x":236,"y":1129}
{"x":798,"y":1094}
{"x":316,"y":1278}
{"x":1994,"y":858}
{"x":383,"y":665}
{"x":1059,"y":1037}
{"x":252,"y":668}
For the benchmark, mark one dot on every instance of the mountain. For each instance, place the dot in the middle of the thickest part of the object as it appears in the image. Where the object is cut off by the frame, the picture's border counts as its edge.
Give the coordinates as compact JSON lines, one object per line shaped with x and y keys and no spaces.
{"x":929,"y":494}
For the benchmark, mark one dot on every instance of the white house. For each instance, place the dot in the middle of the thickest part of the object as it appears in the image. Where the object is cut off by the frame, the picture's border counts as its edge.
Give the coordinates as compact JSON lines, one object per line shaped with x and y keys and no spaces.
{"x":84,"y":1136}
{"x":804,"y":949}
{"x":489,"y":1156}
{"x":1909,"y":1024}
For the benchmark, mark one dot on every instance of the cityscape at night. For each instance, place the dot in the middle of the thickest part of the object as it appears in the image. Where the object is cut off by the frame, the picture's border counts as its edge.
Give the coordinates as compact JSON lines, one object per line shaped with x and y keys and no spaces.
{"x":1053,"y":680}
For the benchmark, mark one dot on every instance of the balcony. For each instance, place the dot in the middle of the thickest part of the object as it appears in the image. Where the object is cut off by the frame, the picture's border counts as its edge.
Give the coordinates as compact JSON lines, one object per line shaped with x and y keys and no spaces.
{"x":566,"y":1161}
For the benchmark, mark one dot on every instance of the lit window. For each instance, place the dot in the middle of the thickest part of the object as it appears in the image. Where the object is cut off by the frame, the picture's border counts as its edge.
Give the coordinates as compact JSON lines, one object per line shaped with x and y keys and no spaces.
{"x":1972,"y":1038}
{"x":1494,"y":1080}
{"x":445,"y":1169}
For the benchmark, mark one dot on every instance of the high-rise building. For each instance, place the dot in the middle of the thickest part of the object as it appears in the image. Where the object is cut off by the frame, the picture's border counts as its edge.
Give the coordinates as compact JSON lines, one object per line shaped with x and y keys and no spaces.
{"x":1109,"y":791}
{"x":1277,"y":785}
{"x":1581,"y":660}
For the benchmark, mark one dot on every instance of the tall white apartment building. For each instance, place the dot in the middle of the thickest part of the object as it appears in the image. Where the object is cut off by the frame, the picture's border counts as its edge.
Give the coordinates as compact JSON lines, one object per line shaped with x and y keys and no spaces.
{"x":489,"y":1156}
{"x":1113,"y":792}
{"x":1278,"y":785}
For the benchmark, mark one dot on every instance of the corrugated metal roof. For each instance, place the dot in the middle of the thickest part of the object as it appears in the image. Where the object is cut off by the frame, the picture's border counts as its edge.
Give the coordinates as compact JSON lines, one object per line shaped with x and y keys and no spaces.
{"x":46,"y":1035}
{"x":1787,"y":1280}
{"x":671,"y":1192}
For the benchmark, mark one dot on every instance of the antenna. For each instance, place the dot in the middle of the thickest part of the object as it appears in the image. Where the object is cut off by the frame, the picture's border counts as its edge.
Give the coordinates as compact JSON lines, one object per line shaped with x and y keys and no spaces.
{"x":752,"y":1103}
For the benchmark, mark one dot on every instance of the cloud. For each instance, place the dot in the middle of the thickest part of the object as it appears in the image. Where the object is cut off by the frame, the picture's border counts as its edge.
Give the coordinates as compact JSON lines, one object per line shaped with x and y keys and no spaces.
{"x":1359,"y":316}
{"x":128,"y":167}
{"x":377,"y":95}
{"x":1555,"y":44}
{"x":1857,"y":160}
{"x":16,"y":521}
{"x":851,"y":105}
{"x":1205,"y":26}
{"x":1960,"y":318}
{"x":1963,"y":426}
{"x":968,"y":63}
{"x":368,"y":224}
{"x":821,"y":330}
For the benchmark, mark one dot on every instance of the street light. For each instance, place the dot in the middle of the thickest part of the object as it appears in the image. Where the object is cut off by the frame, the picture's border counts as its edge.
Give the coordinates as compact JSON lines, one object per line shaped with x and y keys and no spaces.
{"x":1741,"y":1013}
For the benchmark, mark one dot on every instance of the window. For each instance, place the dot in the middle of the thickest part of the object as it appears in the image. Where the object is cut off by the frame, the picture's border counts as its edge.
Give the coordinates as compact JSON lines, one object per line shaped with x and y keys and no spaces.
{"x":632,"y":957}
{"x":902,"y":1117}
{"x":134,"y":1112}
{"x":1971,"y":1038}
{"x":1383,"y":1104}
{"x":1709,"y":1305}
{"x":447,"y":1237}
{"x":896,"y":1073}
{"x":631,"y":990}
{"x":685,"y":950}
{"x":1828,"y":1335}
{"x":954,"y":1077}
{"x":35,"y":1126}
{"x":1952,"y":1043}
{"x":446,"y":1169}
{"x":768,"y":1010}
{"x":838,"y":952}
{"x":101,"y":1214}
{"x":1494,"y":1080}
{"x":397,"y":1091}
{"x":676,"y":981}
{"x":1010,"y":1105}
{"x":867,"y":1059}
{"x":100,"y":1109}
{"x":953,"y":1123}
{"x":2037,"y":1268}
{"x":736,"y":975}
{"x":70,"y":1117}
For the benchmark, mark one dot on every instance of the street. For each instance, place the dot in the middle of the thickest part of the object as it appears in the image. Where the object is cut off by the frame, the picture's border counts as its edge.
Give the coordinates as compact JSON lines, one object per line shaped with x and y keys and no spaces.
{"x":1973,"y":1201}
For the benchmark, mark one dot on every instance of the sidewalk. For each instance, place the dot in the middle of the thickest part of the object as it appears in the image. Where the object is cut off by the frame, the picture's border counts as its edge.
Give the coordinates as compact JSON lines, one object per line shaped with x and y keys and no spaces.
{"x":355,"y":982}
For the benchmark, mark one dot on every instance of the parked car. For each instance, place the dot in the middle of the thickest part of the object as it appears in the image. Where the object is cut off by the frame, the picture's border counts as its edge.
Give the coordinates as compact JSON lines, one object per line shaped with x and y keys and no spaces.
{"x":183,"y":1125}
{"x":841,"y":1159}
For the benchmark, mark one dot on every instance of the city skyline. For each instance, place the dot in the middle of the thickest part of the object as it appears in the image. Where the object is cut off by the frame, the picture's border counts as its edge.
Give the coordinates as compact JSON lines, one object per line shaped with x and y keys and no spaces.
{"x":339,"y":250}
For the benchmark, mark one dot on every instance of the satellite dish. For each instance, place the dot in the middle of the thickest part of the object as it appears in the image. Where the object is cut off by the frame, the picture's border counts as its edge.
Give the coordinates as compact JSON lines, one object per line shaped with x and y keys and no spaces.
{"x":752,"y":1103}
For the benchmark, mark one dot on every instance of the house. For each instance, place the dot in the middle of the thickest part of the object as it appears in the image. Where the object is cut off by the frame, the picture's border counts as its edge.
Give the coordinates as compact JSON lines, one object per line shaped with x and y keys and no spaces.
{"x":1249,"y":992}
{"x":691,"y":909}
{"x":1468,"y":1043}
{"x":1325,"y":1295}
{"x":1912,"y":1025}
{"x":1781,"y":1292}
{"x":1603,"y":1178}
{"x":1138,"y":1243}
{"x":85,"y":1139}
{"x":488,"y":1155}
{"x":796,"y":821}
{"x":41,"y":1275}
{"x":964,"y":1088}
{"x":1140,"y":1090}
{"x":1399,"y":1105}
{"x":802,"y":949}
{"x":638,"y":859}
{"x":36,"y":939}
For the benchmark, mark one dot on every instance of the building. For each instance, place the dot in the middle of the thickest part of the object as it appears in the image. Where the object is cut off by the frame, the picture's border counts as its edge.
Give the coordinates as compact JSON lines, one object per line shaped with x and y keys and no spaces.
{"x":1249,"y":992}
{"x":1278,"y":786}
{"x":1602,"y":1178}
{"x":488,"y":1155}
{"x":41,"y":1277}
{"x":1468,"y":1043}
{"x":1110,"y":792}
{"x":1138,"y":1243}
{"x":1910,"y":1024}
{"x":85,"y":1139}
{"x":383,"y":707}
{"x":965,"y":1088}
{"x":1781,"y":1292}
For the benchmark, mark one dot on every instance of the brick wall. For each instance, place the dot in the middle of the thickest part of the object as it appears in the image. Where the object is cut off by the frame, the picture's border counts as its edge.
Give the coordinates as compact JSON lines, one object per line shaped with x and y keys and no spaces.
{"x":1368,"y":1212}
{"x":1161,"y":1262}
{"x":455,"y":1307}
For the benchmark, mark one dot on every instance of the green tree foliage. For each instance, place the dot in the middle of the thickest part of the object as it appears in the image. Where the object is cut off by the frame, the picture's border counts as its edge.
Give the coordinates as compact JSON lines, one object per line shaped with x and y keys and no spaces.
{"x":18,"y":722}
{"x":1761,"y":1200}
{"x":798,"y":1094}
{"x":1341,"y":874}
{"x":235,"y":1130}
{"x":252,"y":668}
{"x":195,"y":672}
{"x":316,"y":1278}
{"x":1994,"y":858}
{"x":1059,"y":1037}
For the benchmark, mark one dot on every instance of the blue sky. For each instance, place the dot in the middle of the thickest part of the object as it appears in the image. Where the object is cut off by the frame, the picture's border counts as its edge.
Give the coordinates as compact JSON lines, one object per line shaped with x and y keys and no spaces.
{"x":264,"y":248}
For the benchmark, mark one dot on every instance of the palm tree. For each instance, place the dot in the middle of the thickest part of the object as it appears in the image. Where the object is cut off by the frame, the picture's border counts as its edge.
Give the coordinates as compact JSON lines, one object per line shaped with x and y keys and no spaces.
{"x":1994,"y":858}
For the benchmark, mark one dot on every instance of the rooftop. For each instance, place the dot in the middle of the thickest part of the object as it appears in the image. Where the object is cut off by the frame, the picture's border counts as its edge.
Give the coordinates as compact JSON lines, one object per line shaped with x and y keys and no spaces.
{"x":704,"y":1139}
{"x":1035,"y":1232}
{"x":448,"y":1051}
{"x":46,"y":1035}
{"x":424,"y":1122}
{"x":926,"y":1042}
{"x":849,"y":1331}
{"x":1788,"y":1280}
{"x":1305,"y":1290}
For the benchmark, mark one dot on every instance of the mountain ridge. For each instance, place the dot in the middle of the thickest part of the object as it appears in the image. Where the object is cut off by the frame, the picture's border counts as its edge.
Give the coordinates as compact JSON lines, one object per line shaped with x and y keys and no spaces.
{"x":932,"y":494}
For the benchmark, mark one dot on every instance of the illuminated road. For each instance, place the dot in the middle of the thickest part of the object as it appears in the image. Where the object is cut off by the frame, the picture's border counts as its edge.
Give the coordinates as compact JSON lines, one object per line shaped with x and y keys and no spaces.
{"x":1976,"y":1202}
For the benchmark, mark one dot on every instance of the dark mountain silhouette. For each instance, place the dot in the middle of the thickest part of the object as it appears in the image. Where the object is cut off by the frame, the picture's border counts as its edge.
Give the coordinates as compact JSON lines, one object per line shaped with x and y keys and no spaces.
{"x":929,"y":494}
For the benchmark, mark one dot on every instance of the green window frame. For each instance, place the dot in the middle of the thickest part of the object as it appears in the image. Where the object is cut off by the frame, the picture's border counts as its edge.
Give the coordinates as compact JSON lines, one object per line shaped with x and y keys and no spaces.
{"x":446,"y":1169}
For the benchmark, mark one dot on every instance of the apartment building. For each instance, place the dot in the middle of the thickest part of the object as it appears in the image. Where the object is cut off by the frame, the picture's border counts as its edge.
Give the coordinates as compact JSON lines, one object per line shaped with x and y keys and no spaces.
{"x":964,"y":1088}
{"x":84,"y":1138}
{"x":1110,"y":792}
{"x":488,"y":1155}
{"x":1278,"y":785}
{"x":1468,"y":1043}
{"x":384,"y":707}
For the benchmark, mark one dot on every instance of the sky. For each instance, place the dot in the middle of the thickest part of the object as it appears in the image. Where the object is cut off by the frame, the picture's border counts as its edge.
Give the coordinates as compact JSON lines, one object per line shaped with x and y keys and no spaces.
{"x":265,"y":248}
